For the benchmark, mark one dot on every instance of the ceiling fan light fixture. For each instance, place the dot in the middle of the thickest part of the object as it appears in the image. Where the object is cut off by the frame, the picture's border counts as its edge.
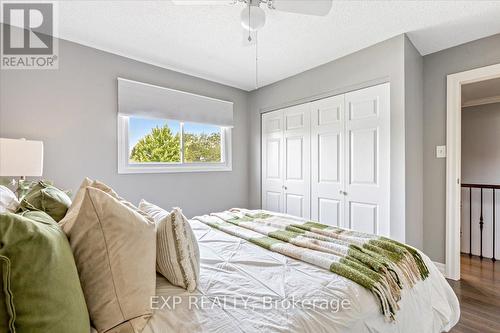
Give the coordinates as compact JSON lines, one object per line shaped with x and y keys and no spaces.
{"x":253,"y":18}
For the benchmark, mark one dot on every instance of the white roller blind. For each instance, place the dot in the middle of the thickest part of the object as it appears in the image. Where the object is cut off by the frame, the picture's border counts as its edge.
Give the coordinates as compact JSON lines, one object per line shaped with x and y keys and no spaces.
{"x":146,"y":100}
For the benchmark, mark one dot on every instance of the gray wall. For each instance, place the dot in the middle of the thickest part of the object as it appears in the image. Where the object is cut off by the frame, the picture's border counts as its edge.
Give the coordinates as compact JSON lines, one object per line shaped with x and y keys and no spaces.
{"x":73,"y":110}
{"x":382,"y":62}
{"x":437,"y":66}
{"x":480,"y":144}
{"x":414,"y":75}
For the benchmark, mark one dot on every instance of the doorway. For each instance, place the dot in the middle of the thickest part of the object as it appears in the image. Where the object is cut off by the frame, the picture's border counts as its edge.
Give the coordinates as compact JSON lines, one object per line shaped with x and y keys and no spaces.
{"x":473,"y":80}
{"x":480,"y":169}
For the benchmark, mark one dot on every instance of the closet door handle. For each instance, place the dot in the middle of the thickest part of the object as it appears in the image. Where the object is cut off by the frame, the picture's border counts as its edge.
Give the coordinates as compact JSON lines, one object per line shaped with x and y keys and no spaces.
{"x":285,"y":188}
{"x":342,"y":192}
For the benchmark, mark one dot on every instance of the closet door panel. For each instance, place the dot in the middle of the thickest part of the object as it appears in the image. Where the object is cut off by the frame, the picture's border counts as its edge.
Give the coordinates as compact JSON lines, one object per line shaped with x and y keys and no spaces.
{"x":294,"y":204}
{"x":363,"y":217}
{"x":273,"y":201}
{"x":329,"y":211}
{"x":272,"y":161}
{"x":297,"y":159}
{"x":294,"y":163}
{"x":367,"y":192}
{"x":273,"y":153}
{"x":327,"y":160}
{"x":329,"y":157}
{"x":363,"y":152}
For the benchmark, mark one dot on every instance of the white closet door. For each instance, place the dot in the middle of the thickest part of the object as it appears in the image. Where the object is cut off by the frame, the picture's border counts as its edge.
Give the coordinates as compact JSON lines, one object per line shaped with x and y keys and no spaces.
{"x":297,"y":160}
{"x":327,"y":160}
{"x":368,"y":160}
{"x":272,"y":161}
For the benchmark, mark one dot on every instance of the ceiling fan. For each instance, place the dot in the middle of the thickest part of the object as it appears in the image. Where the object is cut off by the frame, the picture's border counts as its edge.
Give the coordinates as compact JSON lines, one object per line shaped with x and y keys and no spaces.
{"x":253,"y":17}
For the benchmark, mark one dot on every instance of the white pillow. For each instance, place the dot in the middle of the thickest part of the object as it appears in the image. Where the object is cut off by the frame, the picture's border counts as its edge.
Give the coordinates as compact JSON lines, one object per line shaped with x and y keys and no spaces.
{"x":8,"y":200}
{"x":177,"y":252}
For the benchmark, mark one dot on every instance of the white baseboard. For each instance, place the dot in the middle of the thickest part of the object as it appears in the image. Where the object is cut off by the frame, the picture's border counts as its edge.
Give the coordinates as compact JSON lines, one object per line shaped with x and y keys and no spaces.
{"x":441,"y":267}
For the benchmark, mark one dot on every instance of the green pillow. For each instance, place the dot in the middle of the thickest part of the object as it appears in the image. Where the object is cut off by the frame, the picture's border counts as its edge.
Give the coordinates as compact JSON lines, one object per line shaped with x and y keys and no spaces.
{"x":41,"y":291}
{"x":46,"y":198}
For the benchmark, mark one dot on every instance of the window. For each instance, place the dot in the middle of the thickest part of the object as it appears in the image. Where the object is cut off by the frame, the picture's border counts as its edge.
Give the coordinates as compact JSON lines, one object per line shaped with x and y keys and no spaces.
{"x":201,"y":143}
{"x":154,"y":141}
{"x":161,"y":145}
{"x":166,"y":130}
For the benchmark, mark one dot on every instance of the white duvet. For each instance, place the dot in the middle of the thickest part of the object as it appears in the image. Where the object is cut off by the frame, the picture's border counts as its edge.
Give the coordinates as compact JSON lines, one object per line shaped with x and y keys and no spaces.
{"x":245,"y":288}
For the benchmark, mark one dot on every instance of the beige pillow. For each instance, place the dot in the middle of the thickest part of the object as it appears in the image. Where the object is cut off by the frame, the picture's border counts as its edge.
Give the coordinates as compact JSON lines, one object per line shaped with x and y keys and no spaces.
{"x":114,"y":249}
{"x":69,"y":219}
{"x":177,"y":252}
{"x":105,"y":188}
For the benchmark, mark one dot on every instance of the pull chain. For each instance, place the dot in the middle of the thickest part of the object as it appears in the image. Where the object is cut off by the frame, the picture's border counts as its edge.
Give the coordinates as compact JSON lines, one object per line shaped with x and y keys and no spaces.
{"x":256,"y":47}
{"x":256,"y":60}
{"x":249,"y":25}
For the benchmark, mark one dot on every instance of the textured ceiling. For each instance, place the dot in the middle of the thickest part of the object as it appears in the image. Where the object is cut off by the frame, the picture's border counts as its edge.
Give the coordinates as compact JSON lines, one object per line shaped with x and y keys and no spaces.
{"x":207,"y":41}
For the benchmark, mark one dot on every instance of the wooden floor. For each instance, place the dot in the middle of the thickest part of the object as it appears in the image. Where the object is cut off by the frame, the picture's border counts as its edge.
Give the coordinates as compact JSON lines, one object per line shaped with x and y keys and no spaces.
{"x":478,"y":292}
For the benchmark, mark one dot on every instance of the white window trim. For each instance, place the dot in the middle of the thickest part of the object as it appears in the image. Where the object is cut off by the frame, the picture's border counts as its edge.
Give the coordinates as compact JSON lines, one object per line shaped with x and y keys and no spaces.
{"x":125,"y":167}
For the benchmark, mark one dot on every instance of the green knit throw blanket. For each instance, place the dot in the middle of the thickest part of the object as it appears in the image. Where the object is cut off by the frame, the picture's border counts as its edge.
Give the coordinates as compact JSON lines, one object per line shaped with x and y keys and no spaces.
{"x":382,"y":265}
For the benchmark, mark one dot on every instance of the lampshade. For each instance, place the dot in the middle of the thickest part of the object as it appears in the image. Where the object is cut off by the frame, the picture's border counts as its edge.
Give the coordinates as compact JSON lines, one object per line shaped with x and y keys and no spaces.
{"x":19,"y":157}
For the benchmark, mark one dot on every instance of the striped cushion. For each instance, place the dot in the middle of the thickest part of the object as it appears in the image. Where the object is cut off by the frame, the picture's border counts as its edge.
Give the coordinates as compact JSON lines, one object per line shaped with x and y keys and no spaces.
{"x":177,"y":252}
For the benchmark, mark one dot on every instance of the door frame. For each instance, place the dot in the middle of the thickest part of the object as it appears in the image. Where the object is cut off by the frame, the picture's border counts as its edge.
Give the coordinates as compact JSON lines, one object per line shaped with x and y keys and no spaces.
{"x":453,"y":160}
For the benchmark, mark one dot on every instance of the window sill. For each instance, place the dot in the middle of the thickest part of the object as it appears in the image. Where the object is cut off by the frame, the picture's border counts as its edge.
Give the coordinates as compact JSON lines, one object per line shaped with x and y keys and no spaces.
{"x":131,"y":169}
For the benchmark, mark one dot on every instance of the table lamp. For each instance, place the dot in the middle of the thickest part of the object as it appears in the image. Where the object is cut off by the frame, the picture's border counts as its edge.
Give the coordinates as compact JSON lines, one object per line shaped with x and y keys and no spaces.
{"x":21,"y":158}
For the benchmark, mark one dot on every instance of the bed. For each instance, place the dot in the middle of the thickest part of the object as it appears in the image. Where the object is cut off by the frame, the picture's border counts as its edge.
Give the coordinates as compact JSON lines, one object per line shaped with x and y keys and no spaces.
{"x":246,"y":288}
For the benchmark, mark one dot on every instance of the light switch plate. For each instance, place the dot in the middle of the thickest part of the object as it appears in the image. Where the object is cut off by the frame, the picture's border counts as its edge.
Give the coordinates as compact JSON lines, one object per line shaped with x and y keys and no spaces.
{"x":440,"y":151}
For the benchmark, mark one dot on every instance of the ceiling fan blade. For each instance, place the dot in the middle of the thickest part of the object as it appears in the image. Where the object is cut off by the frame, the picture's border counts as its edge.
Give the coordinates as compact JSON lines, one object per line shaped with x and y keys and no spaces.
{"x":308,"y":7}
